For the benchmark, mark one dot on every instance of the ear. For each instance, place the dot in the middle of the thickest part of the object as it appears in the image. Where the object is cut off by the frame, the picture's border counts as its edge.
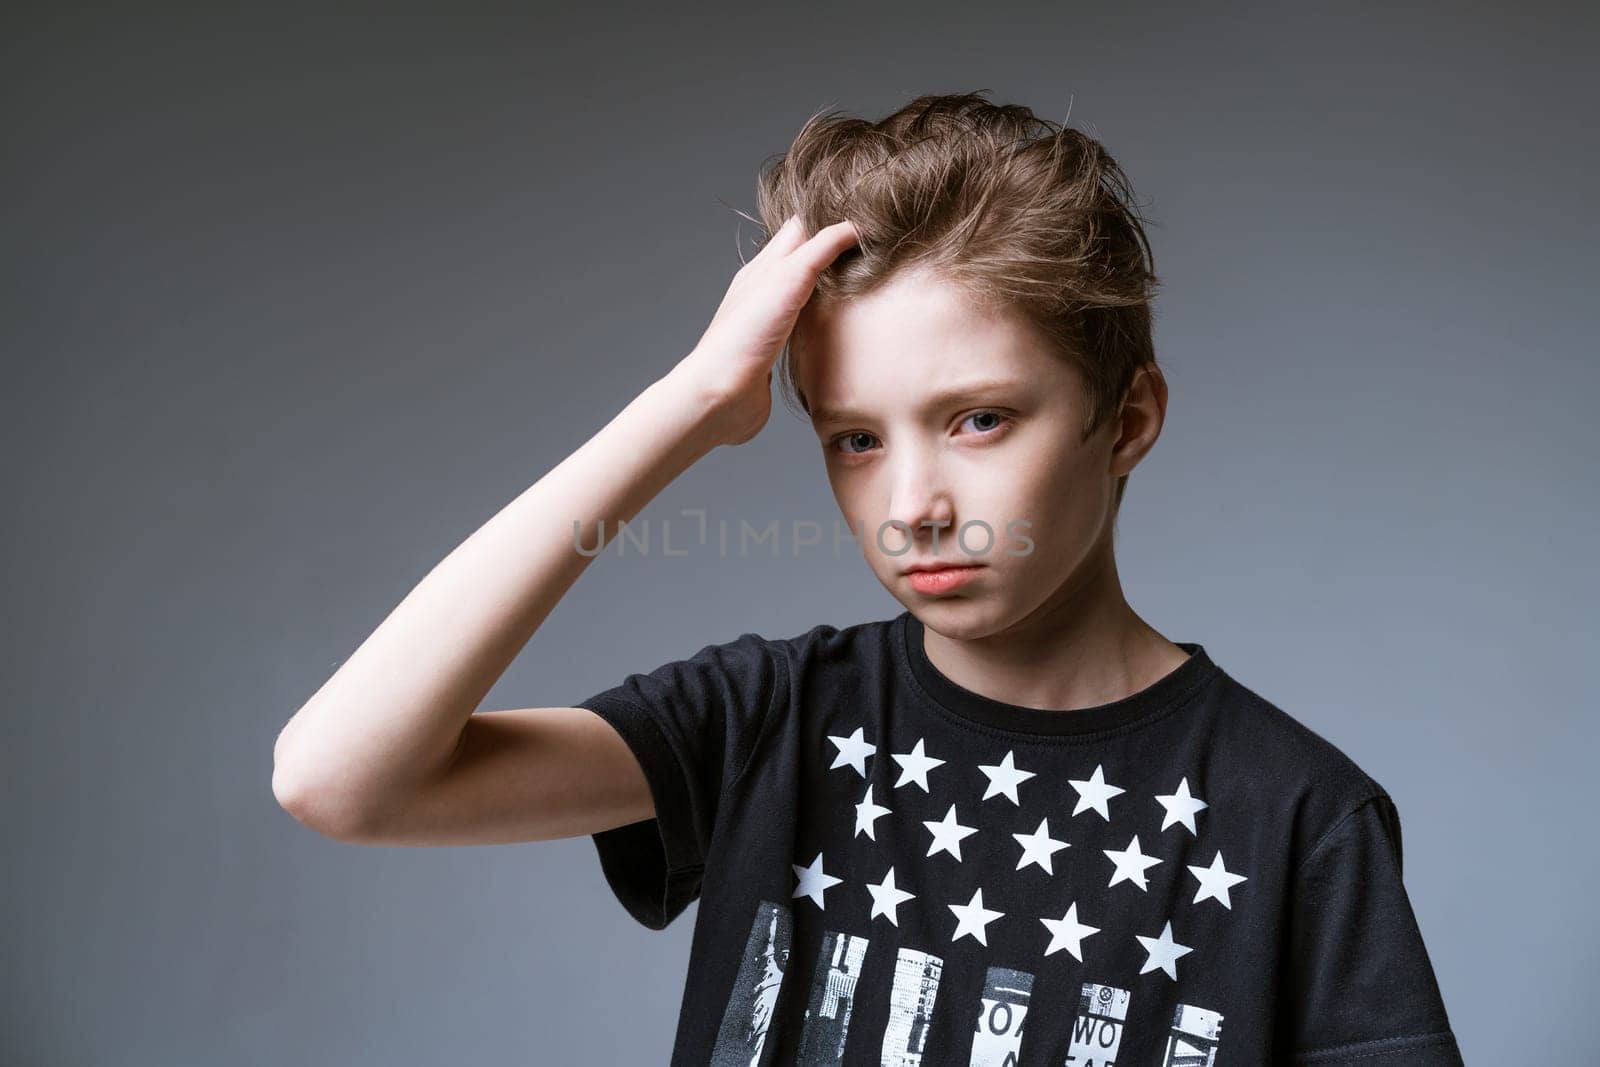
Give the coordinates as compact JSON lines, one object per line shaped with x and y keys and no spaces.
{"x":1139,"y":420}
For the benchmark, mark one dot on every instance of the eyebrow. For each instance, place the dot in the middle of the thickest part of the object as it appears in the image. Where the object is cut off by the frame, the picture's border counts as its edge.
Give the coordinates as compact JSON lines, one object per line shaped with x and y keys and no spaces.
{"x":946,"y":397}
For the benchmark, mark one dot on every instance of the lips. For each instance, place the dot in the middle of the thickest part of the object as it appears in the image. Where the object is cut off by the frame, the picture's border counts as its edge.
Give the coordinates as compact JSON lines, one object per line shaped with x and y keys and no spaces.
{"x":916,"y":568}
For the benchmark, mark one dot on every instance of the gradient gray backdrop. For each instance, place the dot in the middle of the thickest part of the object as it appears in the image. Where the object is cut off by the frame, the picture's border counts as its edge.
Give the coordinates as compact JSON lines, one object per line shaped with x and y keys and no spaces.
{"x":292,"y":307}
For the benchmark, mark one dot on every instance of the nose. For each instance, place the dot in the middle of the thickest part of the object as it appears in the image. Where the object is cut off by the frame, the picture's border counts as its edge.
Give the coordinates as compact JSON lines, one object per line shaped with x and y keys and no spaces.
{"x":921,"y":519}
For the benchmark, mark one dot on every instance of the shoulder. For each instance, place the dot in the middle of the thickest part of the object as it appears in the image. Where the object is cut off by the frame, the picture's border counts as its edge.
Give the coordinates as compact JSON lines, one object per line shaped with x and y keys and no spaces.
{"x":1289,"y":766}
{"x":818,"y":648}
{"x":1278,"y":734}
{"x":826,"y":642}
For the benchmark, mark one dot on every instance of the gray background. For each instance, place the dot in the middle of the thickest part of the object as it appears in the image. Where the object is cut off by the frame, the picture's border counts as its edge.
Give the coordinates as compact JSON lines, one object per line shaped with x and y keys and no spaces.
{"x":292,"y":307}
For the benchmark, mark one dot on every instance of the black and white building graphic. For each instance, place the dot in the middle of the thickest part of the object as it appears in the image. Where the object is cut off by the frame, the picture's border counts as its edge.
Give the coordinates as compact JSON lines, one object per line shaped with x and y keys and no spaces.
{"x":1097,"y":1031}
{"x":911,"y":1001}
{"x":1196,"y":1033}
{"x":998,"y":1038}
{"x":833,"y":997}
{"x":743,"y":1038}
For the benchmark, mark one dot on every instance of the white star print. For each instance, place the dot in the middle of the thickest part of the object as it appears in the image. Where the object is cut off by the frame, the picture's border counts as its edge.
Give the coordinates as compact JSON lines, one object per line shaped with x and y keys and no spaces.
{"x":813,"y":881}
{"x":947,"y":833}
{"x":1094,"y":792}
{"x":972,"y":918}
{"x":1038,"y":847}
{"x":1163,"y":952}
{"x":1181,"y":807}
{"x":914,"y":767}
{"x":1131,"y":864}
{"x":867,"y":813}
{"x":1068,"y":933}
{"x":886,"y":898}
{"x":1004,"y":778}
{"x":853,"y":751}
{"x":1214,"y":882}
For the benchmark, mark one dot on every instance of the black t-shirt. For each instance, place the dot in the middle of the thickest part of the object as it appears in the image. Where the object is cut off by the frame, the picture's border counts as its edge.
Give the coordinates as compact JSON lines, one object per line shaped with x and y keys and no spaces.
{"x":893,"y":869}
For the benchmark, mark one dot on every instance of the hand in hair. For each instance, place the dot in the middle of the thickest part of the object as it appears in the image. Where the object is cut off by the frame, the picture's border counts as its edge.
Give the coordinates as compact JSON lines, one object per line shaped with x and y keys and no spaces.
{"x":733,"y":360}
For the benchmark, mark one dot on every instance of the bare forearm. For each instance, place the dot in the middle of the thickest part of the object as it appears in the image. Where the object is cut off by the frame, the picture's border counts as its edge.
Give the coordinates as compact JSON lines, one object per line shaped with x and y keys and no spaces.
{"x":392,"y":714}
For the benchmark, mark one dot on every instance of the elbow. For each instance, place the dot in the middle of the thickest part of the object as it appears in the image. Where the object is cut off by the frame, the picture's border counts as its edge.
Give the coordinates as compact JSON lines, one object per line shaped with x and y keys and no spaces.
{"x":316,"y":804}
{"x":309,"y":806}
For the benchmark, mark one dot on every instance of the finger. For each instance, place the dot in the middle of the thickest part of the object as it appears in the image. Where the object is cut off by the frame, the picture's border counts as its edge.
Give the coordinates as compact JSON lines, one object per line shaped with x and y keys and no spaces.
{"x":784,"y":240}
{"x":825,"y":245}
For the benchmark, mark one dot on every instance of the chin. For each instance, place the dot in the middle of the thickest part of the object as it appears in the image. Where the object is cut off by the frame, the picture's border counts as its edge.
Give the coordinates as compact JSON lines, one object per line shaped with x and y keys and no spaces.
{"x":960,"y":616}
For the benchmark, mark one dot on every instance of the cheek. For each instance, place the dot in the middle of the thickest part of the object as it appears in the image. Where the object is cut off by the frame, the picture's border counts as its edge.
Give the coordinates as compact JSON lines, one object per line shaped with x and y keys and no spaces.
{"x":852,"y":494}
{"x":1011,"y":506}
{"x":860,"y":512}
{"x":1061,"y":516}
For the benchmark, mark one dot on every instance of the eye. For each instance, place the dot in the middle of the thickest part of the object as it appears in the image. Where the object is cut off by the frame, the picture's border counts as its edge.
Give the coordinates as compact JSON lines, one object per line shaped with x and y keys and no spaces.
{"x":997,"y":419}
{"x":856,"y":437}
{"x":995,"y":423}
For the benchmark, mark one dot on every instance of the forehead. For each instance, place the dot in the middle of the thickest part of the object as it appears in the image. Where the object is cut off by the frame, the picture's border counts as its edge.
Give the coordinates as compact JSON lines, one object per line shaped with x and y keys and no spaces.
{"x":916,"y":335}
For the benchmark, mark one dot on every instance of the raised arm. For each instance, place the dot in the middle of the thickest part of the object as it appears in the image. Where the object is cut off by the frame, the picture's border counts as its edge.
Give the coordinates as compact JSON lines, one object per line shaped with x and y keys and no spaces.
{"x":389,"y":749}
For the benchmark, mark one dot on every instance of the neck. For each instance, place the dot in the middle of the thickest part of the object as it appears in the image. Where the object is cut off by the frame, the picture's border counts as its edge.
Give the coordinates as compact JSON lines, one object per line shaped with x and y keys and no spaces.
{"x":1083,"y":647}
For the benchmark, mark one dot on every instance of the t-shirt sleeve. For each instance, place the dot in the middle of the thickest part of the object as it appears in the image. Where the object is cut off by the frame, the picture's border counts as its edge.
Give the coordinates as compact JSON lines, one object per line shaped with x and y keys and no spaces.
{"x":1359,"y":987}
{"x":692,"y":724}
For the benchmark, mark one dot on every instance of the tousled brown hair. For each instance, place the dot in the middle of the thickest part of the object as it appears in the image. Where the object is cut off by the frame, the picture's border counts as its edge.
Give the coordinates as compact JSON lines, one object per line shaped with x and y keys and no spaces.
{"x":1015,"y":208}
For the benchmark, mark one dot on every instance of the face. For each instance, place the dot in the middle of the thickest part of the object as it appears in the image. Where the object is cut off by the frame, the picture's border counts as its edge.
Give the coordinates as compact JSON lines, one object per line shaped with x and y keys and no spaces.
{"x":943,"y":417}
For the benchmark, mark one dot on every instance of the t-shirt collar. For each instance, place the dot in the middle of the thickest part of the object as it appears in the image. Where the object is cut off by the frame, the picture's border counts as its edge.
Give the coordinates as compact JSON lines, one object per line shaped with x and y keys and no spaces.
{"x":1172,"y":688}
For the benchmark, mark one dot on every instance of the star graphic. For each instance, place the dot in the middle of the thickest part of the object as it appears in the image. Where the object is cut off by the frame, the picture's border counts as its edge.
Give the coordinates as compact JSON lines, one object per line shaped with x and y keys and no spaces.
{"x":947,"y":833}
{"x":1181,"y":807}
{"x":813,"y":881}
{"x":1068,"y":933}
{"x":853,"y":751}
{"x":1038,"y":847}
{"x":972,"y":918}
{"x":914,"y":766}
{"x":1163,"y":952}
{"x":1214,"y":882}
{"x":1094,"y":792}
{"x":1004,"y":778}
{"x":1131,"y":864}
{"x":867,"y":813}
{"x":886,"y":898}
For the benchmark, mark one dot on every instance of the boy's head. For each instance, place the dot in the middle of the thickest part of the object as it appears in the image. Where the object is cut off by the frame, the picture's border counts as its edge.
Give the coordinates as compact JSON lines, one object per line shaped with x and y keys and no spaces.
{"x":992,"y":245}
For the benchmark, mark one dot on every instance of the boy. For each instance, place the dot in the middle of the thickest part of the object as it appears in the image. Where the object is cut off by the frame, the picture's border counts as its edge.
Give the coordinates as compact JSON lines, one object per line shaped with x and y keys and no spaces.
{"x":1014,"y":823}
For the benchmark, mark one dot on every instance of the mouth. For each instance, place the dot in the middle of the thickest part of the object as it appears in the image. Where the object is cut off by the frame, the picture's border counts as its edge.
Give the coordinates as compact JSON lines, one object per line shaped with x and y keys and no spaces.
{"x":935,"y":567}
{"x":933,"y":579}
